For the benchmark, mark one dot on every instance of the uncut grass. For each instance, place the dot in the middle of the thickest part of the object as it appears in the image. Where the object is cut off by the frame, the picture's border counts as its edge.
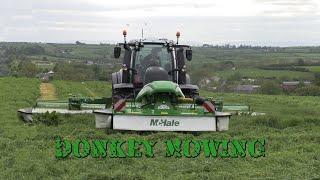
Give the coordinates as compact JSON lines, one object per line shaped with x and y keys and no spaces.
{"x":291,"y":130}
{"x":65,"y":89}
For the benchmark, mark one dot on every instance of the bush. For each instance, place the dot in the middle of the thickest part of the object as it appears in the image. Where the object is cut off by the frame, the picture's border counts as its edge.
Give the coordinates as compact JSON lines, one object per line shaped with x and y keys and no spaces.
{"x":49,"y":119}
{"x":236,"y":76}
{"x":308,"y":91}
{"x":286,"y":68}
{"x":27,"y":69}
{"x":270,"y":87}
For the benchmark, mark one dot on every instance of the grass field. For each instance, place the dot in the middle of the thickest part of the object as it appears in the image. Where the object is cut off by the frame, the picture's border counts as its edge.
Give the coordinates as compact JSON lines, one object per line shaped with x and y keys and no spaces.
{"x":315,"y":69}
{"x":84,"y":89}
{"x":252,"y":57}
{"x":291,"y":129}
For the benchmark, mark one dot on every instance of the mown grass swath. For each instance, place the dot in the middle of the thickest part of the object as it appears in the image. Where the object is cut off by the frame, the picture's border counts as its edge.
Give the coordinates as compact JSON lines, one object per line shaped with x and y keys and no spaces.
{"x":291,"y":130}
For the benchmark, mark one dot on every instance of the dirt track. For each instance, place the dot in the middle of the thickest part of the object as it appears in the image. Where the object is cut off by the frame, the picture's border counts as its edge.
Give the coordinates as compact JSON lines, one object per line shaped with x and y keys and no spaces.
{"x":48,"y":91}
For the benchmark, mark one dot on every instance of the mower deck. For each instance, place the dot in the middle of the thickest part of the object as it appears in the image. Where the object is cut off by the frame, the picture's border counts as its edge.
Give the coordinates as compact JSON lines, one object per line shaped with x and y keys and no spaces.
{"x":106,"y":119}
{"x":27,"y":113}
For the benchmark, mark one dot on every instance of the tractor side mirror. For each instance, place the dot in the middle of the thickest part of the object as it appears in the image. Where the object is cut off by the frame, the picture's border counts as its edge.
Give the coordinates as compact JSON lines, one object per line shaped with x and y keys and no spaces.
{"x":117,"y":52}
{"x":189,"y":54}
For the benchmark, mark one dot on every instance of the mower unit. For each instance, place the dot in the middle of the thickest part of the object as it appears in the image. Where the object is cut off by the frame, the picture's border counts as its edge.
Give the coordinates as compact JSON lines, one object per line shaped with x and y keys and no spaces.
{"x":74,"y":105}
{"x":161,"y":106}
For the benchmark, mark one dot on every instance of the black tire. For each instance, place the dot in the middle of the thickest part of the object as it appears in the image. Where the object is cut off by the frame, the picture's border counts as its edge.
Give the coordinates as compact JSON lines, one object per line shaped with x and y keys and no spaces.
{"x":118,"y":94}
{"x":191,"y":93}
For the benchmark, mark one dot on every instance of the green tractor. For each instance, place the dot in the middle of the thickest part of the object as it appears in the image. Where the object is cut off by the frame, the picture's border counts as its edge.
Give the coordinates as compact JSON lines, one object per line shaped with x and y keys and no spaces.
{"x":151,"y":92}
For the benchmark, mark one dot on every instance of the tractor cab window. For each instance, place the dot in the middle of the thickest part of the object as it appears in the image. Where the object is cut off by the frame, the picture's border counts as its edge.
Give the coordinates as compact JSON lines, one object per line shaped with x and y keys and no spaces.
{"x":153,"y":55}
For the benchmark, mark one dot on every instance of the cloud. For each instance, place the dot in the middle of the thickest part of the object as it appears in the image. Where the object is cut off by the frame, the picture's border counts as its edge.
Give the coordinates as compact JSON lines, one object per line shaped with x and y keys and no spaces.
{"x":289,"y":7}
{"x":218,"y":21}
{"x":105,"y":6}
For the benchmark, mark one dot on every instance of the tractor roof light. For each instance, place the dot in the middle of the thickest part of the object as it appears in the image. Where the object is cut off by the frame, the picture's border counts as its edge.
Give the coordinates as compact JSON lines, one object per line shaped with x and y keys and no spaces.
{"x":124,"y":32}
{"x":178,"y":36}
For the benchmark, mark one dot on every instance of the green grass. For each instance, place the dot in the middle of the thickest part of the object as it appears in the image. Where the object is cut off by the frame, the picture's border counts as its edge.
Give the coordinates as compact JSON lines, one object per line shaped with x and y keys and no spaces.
{"x":85,"y":89}
{"x":291,"y":129}
{"x":315,"y":69}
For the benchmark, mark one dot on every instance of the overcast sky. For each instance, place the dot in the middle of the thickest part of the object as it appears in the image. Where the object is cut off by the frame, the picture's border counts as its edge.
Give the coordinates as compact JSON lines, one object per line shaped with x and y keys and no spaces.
{"x":263,"y":22}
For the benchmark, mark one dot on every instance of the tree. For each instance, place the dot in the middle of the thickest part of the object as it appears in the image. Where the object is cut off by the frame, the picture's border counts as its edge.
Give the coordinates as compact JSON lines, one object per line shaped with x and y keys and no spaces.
{"x":300,"y":62}
{"x":27,"y":69}
{"x":79,"y":43}
{"x":96,"y":71}
{"x":237,"y":76}
{"x":270,"y":87}
{"x":14,"y":67}
{"x":198,"y":75}
{"x":317,"y":79}
{"x":308,"y":91}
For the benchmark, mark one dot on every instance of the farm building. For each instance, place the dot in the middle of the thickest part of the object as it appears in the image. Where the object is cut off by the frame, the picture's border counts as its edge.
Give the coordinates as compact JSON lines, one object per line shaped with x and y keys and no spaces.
{"x":248,"y":89}
{"x":89,"y":62}
{"x":215,"y":78}
{"x":46,"y":77}
{"x":292,"y":85}
{"x":251,"y":80}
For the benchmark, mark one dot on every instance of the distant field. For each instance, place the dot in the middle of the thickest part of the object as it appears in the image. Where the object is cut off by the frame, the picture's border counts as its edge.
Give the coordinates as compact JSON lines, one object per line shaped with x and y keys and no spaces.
{"x":259,"y":73}
{"x":247,"y":60}
{"x":291,"y":130}
{"x":252,"y":57}
{"x":315,"y":69}
{"x":51,"y":58}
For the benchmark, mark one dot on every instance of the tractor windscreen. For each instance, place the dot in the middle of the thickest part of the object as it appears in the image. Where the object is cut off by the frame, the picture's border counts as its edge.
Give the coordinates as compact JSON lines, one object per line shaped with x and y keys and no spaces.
{"x":153,"y":55}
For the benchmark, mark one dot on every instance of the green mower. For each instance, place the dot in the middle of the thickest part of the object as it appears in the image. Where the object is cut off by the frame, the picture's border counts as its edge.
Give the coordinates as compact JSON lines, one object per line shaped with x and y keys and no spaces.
{"x":162,"y":106}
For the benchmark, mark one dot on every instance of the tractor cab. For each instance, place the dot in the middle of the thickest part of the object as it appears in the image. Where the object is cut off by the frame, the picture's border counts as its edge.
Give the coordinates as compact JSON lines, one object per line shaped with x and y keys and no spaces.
{"x":145,"y":61}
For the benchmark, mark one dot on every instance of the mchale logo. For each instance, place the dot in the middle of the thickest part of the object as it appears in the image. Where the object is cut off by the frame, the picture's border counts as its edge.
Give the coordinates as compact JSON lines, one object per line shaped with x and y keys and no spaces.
{"x":164,"y":122}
